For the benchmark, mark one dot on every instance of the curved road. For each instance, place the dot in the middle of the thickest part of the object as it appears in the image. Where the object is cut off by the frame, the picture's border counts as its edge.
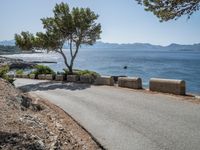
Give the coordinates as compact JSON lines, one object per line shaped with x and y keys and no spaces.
{"x":124,"y":119}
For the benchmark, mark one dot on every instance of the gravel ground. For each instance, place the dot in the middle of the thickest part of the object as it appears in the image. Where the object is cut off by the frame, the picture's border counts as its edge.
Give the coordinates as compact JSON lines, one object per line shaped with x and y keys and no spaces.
{"x":30,"y":123}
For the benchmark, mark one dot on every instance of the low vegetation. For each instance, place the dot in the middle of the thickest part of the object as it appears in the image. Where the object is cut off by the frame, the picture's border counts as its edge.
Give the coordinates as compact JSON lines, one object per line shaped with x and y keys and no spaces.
{"x":3,"y":74}
{"x":82,"y":72}
{"x":19,"y":72}
{"x":41,"y":69}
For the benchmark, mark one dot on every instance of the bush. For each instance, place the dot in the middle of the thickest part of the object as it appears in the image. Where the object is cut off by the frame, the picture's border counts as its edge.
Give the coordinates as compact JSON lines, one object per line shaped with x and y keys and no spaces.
{"x":19,"y":72}
{"x":3,"y":74}
{"x":4,"y":70}
{"x":41,"y":69}
{"x":82,"y":72}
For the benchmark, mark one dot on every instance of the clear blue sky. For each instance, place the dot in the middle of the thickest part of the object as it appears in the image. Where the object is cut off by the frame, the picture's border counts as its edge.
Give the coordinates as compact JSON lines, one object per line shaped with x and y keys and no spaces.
{"x":123,"y":21}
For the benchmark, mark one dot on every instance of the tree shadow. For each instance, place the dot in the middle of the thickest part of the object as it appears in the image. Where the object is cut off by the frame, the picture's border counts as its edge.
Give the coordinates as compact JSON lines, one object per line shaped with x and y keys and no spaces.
{"x":44,"y":86}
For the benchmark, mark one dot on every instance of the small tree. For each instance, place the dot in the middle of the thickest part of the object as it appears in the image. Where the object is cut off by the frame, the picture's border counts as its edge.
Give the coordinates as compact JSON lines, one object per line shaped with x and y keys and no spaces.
{"x":75,"y":28}
{"x":170,"y":9}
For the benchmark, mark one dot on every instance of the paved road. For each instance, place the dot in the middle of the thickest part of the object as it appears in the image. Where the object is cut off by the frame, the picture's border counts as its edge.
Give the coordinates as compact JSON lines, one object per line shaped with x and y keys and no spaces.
{"x":123,"y":119}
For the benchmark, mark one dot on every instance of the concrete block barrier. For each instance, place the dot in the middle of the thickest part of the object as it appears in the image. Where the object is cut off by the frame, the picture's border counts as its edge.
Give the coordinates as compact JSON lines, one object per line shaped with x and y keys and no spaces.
{"x":11,"y":76}
{"x":49,"y":77}
{"x":177,"y":87}
{"x":25,"y":76}
{"x":18,"y":76}
{"x":104,"y":80}
{"x":115,"y":78}
{"x":60,"y":77}
{"x":41,"y":76}
{"x":86,"y":79}
{"x":32,"y":76}
{"x":72,"y":78}
{"x":130,"y":82}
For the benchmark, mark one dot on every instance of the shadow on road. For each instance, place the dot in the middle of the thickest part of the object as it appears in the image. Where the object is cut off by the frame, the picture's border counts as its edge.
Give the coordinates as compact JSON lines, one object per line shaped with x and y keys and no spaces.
{"x":44,"y":86}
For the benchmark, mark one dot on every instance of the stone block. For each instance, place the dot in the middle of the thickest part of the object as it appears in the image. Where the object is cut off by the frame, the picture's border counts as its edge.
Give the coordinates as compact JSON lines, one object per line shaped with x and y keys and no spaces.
{"x":18,"y":76}
{"x":49,"y":77}
{"x":41,"y":76}
{"x":60,"y":77}
{"x":32,"y":76}
{"x":172,"y":86}
{"x":11,"y":75}
{"x":104,"y":80}
{"x":72,"y":78}
{"x":86,"y":79}
{"x":130,"y":82}
{"x":25,"y":76}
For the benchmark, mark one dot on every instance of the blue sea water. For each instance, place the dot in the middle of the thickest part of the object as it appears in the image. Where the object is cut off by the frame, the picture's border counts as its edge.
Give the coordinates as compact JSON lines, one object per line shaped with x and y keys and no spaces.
{"x":183,"y":65}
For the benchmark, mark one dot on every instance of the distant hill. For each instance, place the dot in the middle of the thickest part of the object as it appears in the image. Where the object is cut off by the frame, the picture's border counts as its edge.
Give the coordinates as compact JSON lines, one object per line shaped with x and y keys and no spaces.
{"x":134,"y":46}
{"x":144,"y":46}
{"x":9,"y":49}
{"x":8,"y":43}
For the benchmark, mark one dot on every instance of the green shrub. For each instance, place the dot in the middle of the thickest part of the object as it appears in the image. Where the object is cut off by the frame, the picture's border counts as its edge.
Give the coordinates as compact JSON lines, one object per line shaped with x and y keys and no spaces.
{"x":3,"y":74}
{"x":41,"y":69}
{"x":87,"y":72}
{"x":19,"y":72}
{"x":4,"y":70}
{"x":82,"y":72}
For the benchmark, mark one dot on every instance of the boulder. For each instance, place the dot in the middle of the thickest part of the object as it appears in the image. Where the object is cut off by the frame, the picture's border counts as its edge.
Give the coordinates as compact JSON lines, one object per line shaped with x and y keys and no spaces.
{"x":130,"y":82}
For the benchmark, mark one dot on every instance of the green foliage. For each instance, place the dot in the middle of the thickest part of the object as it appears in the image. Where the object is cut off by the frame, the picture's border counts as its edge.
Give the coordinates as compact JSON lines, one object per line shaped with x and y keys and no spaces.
{"x":74,"y":27}
{"x":170,"y":9}
{"x":3,"y":74}
{"x":41,"y":69}
{"x":25,"y":40}
{"x":87,"y":72}
{"x":4,"y":70}
{"x":82,"y":72}
{"x":19,"y":72}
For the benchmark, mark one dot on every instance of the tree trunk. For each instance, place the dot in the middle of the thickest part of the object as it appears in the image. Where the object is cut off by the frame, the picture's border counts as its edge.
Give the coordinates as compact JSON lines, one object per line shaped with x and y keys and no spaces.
{"x":66,"y":63}
{"x":70,"y":69}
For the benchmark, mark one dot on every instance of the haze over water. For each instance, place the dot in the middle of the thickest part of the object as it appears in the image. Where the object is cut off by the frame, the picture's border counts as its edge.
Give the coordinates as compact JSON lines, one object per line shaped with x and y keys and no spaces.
{"x":183,"y":65}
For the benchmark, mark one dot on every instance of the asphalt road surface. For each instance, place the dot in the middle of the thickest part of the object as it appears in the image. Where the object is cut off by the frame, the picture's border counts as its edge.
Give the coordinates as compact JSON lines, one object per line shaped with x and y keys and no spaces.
{"x":125,"y":119}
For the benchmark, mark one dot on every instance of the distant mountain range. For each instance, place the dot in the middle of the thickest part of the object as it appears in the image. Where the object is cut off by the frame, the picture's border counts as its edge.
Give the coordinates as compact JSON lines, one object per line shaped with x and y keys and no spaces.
{"x":134,"y":46}
{"x":8,"y":43}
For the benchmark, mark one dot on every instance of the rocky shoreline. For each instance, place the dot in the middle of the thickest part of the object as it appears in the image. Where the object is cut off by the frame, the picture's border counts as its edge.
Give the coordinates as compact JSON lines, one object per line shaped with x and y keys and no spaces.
{"x":19,"y":63}
{"x":15,"y":63}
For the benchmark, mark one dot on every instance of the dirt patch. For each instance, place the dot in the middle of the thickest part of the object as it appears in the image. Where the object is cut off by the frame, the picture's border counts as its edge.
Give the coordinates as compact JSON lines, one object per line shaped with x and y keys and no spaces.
{"x":31,"y":123}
